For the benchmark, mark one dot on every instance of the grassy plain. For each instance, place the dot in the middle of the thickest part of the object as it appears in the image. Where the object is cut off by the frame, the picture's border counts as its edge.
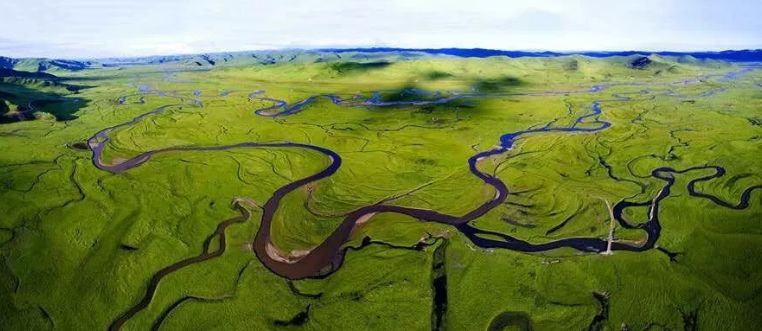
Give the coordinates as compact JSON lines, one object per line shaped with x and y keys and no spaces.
{"x":78,"y":245}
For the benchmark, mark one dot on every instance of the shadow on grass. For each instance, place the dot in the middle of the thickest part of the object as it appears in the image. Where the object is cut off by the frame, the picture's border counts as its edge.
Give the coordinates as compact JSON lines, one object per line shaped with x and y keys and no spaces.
{"x":409,"y":93}
{"x":436,"y":75}
{"x":345,"y":68}
{"x":19,"y":101}
{"x":496,"y":84}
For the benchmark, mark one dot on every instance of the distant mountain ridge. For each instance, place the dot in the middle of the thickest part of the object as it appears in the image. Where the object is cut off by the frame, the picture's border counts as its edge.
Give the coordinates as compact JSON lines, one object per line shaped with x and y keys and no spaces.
{"x":42,"y":64}
{"x":330,"y":54}
{"x":748,"y":55}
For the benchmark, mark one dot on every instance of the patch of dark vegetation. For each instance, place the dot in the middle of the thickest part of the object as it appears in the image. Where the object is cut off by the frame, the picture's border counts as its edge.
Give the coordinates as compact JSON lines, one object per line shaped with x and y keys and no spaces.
{"x":425,"y":162}
{"x":640,"y":63}
{"x":603,"y":315}
{"x":512,"y":320}
{"x":439,"y":287}
{"x":74,"y":88}
{"x":80,"y":145}
{"x":517,"y":223}
{"x":571,"y":65}
{"x":358,"y":67}
{"x":690,"y":320}
{"x":128,"y":247}
{"x":754,"y":121}
{"x":298,"y":320}
{"x":436,"y":75}
{"x":496,"y":84}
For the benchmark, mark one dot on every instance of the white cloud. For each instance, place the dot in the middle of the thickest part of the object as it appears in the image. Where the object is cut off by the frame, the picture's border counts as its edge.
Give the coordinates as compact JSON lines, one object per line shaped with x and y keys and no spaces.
{"x":88,"y":28}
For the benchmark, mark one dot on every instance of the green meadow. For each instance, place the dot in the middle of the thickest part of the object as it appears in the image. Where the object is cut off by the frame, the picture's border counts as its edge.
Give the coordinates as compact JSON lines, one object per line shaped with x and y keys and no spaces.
{"x":78,"y":245}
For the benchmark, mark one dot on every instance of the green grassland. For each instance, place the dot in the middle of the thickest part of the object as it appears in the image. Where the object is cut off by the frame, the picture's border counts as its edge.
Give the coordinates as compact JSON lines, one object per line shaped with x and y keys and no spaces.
{"x":78,"y":245}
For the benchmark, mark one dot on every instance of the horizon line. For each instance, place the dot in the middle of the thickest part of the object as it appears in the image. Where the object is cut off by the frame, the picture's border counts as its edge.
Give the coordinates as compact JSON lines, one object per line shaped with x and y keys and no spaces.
{"x":392,"y":49}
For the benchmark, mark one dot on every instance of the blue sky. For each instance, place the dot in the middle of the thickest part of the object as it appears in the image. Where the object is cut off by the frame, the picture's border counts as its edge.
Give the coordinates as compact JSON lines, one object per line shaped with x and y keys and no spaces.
{"x":101,"y":28}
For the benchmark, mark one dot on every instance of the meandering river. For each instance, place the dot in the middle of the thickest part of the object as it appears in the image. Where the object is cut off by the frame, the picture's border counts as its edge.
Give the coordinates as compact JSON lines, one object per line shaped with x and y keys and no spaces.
{"x":328,"y":256}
